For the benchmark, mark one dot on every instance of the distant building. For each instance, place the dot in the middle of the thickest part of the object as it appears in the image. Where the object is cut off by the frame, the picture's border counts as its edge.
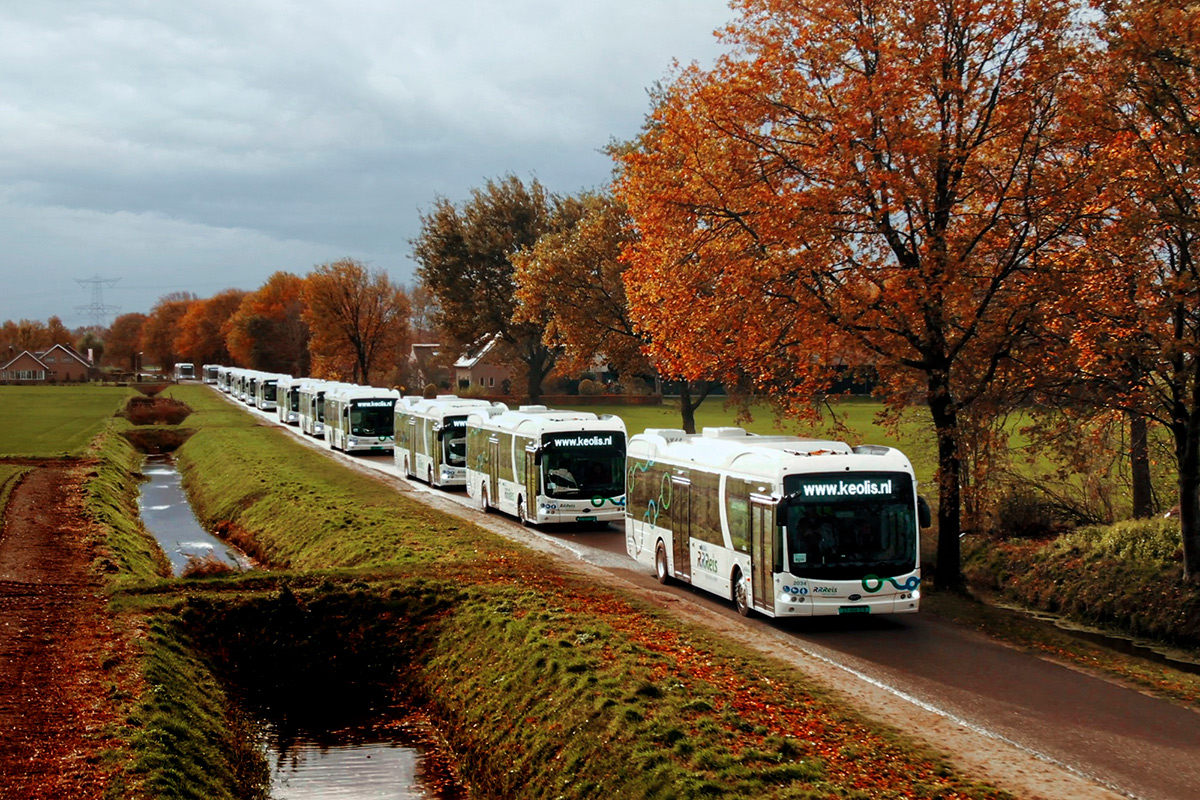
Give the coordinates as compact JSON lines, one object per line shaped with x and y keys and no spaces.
{"x":480,"y":368}
{"x":426,"y":366}
{"x":59,"y":364}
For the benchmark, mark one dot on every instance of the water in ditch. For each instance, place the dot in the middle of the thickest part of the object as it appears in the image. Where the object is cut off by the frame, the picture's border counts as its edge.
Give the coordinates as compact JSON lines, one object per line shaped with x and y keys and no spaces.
{"x":384,"y":761}
{"x":167,"y":514}
{"x":394,"y":756}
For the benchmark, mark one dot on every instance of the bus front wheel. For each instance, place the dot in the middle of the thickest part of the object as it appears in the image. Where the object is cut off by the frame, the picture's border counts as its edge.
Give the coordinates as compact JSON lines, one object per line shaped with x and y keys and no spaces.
{"x":741,"y":593}
{"x":483,"y":499}
{"x":521,"y":515}
{"x":660,"y":563}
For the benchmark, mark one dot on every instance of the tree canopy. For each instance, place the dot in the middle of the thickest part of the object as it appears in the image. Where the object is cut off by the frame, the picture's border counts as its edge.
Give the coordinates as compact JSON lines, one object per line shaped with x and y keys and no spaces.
{"x":358,"y":319}
{"x":862,"y":183}
{"x":465,"y":259}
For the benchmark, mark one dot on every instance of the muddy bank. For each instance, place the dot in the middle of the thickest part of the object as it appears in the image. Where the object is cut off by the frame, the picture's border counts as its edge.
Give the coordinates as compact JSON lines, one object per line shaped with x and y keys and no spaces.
{"x":59,"y":655}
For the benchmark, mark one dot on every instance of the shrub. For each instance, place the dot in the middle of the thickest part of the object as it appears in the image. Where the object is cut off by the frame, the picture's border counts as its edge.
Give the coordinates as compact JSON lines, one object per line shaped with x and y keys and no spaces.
{"x":588,"y":387}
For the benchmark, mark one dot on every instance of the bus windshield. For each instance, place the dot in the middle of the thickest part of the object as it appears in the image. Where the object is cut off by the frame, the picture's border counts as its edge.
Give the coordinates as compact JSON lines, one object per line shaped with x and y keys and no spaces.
{"x":454,"y":437}
{"x":843,"y":526}
{"x":269,"y":391}
{"x":589,"y":464}
{"x":372,"y":418}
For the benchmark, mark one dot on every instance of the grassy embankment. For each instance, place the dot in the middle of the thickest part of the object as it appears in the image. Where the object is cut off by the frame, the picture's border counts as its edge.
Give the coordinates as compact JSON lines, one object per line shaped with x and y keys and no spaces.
{"x":581,"y":690}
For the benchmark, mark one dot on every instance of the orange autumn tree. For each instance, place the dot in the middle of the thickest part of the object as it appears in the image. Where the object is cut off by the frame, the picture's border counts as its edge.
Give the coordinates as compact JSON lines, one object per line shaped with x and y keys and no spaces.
{"x":268,"y":331}
{"x":359,"y":322}
{"x":1141,"y":310}
{"x":205,"y":327}
{"x":123,"y":340}
{"x":860,"y":183}
{"x":161,"y":326}
{"x":574,"y":280}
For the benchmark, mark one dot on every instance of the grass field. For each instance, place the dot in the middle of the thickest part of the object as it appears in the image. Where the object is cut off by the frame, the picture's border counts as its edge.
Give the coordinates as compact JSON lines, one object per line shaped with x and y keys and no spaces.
{"x":859,"y":425}
{"x":47,"y":421}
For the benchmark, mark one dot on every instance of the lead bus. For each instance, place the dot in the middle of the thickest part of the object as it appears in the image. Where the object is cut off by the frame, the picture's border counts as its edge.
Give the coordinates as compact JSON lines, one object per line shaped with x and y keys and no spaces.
{"x":359,"y":418}
{"x":431,"y":437}
{"x":544,"y":465}
{"x":785,"y":526}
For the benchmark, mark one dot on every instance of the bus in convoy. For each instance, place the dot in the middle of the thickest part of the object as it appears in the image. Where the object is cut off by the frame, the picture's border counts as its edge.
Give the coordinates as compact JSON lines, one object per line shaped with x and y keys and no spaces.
{"x":266,"y":393}
{"x":249,"y":390}
{"x":287,"y":400}
{"x":781,"y":525}
{"x":185,"y":372}
{"x":208,"y":373}
{"x":312,"y":405}
{"x":224,"y":375}
{"x":431,"y":437}
{"x":360,"y":418}
{"x":544,"y":465}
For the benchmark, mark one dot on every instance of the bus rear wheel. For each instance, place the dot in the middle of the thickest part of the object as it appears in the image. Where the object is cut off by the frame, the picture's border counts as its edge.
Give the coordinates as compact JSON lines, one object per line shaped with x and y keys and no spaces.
{"x":660,"y":563}
{"x":741,"y":593}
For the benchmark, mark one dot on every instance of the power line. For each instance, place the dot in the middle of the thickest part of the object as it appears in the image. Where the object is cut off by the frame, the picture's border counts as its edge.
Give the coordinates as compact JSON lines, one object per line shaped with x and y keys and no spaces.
{"x":98,"y":311}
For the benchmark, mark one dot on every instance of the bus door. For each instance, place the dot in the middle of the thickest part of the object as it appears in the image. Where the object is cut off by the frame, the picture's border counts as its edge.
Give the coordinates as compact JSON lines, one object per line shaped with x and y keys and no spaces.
{"x":410,"y":444}
{"x":680,"y":514}
{"x":493,"y":468}
{"x":533,"y":471}
{"x":762,"y":551}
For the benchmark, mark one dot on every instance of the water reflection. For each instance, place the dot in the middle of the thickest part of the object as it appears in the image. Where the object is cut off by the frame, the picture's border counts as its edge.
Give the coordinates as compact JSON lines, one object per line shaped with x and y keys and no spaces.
{"x":391,"y":762}
{"x":167,"y":514}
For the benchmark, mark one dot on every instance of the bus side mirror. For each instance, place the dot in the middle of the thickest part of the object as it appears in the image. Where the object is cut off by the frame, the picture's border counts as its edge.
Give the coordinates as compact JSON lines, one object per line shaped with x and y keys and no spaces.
{"x":924,"y":514}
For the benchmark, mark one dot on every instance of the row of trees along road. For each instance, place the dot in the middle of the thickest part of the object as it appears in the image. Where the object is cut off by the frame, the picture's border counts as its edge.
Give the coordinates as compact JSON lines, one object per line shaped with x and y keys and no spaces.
{"x":991,"y":204}
{"x":341,"y":321}
{"x":988,"y":201}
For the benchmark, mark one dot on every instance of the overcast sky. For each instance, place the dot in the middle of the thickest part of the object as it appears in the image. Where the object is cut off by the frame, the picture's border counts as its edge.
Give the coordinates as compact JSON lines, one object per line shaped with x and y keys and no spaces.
{"x":197,"y":146}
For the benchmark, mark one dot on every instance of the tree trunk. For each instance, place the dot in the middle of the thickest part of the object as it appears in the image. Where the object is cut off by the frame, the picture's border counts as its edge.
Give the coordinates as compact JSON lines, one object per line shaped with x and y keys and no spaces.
{"x":687,"y":410}
{"x":1139,"y":457}
{"x":689,"y":401}
{"x":948,"y":573}
{"x":1187,"y":445}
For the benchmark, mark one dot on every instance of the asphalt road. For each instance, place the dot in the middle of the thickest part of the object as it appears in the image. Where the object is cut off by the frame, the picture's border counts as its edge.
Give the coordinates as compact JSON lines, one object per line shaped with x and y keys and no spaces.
{"x":1114,"y":739}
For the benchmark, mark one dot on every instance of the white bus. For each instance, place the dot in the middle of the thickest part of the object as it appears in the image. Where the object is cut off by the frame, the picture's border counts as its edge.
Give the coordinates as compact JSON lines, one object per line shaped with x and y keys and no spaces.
{"x":359,"y":418}
{"x":209,"y":373}
{"x":431,"y":437}
{"x":185,"y":371}
{"x":781,"y":525}
{"x":543,"y":465}
{"x":312,"y":405}
{"x":248,"y":389}
{"x":266,"y":391}
{"x":224,"y":376}
{"x":287,"y":400}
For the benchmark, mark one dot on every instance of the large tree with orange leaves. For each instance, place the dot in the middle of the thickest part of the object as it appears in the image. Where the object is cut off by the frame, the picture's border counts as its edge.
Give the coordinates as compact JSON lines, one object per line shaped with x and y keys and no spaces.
{"x":268,"y":331}
{"x":123,"y":340}
{"x":359,"y":321}
{"x":861,"y":182}
{"x":205,"y":327}
{"x":160,"y":328}
{"x":573,"y":281}
{"x":1139,"y":306}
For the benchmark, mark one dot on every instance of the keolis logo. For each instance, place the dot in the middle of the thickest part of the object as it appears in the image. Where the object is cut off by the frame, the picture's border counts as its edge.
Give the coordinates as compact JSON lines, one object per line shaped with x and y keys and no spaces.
{"x":864,"y":488}
{"x":584,"y":441}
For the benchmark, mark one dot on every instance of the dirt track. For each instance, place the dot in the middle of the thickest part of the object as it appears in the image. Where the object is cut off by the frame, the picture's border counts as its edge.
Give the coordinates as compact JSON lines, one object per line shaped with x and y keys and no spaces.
{"x":57,"y":646}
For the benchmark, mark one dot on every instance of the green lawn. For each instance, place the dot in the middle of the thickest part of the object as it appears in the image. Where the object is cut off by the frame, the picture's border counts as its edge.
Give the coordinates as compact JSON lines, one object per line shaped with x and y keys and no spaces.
{"x":914,"y":438}
{"x":45,"y":421}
